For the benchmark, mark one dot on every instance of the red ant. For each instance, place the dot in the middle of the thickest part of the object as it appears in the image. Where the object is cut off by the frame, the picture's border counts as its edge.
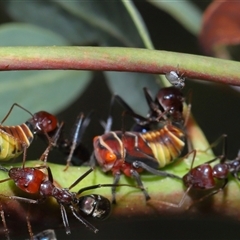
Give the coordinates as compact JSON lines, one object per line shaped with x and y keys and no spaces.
{"x":206,"y":177}
{"x":16,"y":139}
{"x":166,"y":108}
{"x":33,"y":180}
{"x":132,"y":152}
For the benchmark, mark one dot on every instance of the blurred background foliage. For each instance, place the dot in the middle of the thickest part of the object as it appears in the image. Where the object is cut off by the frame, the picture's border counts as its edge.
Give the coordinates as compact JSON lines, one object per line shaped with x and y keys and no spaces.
{"x":163,"y":25}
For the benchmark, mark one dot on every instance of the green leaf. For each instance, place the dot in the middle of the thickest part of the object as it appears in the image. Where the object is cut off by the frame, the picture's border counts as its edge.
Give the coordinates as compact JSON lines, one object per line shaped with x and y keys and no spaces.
{"x":130,"y":87}
{"x":139,"y":23}
{"x":21,"y":34}
{"x":37,"y":90}
{"x":183,"y":11}
{"x":102,"y":22}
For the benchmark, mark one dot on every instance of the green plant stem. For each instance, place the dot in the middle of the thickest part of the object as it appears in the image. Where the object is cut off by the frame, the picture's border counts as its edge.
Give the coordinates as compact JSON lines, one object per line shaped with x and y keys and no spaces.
{"x":120,"y":59}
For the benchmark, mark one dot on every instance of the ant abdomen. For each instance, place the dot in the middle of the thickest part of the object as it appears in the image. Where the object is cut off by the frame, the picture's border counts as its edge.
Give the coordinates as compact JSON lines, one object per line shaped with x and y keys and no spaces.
{"x":95,"y":206}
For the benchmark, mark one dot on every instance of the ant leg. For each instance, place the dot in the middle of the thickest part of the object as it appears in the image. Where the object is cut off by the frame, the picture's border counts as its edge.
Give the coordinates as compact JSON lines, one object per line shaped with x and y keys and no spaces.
{"x":153,"y":106}
{"x":29,"y":226}
{"x":210,"y":194}
{"x":129,"y":111}
{"x":108,"y":124}
{"x":3,"y":169}
{"x":82,"y":220}
{"x":181,"y":202}
{"x":137,"y":177}
{"x":24,"y":154}
{"x":81,"y":178}
{"x":50,"y":176}
{"x":4,"y":180}
{"x":92,"y":161}
{"x":223,"y":138}
{"x":104,"y":185}
{"x":52,"y":143}
{"x":138,"y":164}
{"x":117,"y":176}
{"x":65,"y":218}
{"x":22,"y":199}
{"x":5,"y":228}
{"x":194,"y":152}
{"x":10,"y":110}
{"x":75,"y":140}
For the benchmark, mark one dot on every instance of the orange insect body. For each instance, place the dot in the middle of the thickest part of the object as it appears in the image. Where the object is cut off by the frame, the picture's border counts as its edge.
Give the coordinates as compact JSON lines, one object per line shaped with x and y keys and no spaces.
{"x":132,"y":152}
{"x":156,"y":148}
{"x":166,"y":143}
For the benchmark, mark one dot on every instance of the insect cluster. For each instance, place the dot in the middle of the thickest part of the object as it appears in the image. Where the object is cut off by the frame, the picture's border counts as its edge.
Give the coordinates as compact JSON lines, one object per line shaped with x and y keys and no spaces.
{"x":153,"y":142}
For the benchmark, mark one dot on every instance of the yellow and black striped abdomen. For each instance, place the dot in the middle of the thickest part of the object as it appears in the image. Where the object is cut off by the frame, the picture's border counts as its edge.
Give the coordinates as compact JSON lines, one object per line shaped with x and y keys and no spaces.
{"x":13,"y":140}
{"x":166,"y":143}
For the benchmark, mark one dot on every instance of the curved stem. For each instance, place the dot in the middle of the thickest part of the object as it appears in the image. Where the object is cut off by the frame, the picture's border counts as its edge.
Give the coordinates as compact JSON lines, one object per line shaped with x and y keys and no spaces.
{"x":120,"y":59}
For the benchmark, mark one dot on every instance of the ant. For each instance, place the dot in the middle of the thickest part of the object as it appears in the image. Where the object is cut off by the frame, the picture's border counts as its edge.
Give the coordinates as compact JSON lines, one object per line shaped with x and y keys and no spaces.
{"x":16,"y":139}
{"x":206,"y":176}
{"x":131,"y":152}
{"x":33,"y":180}
{"x":166,"y":108}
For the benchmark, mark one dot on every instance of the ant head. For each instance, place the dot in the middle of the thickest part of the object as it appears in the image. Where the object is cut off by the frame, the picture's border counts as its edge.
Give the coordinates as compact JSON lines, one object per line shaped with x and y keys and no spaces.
{"x":171,"y":99}
{"x":200,"y":177}
{"x":95,"y":206}
{"x":43,"y":122}
{"x":106,"y":158}
{"x":220,"y":171}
